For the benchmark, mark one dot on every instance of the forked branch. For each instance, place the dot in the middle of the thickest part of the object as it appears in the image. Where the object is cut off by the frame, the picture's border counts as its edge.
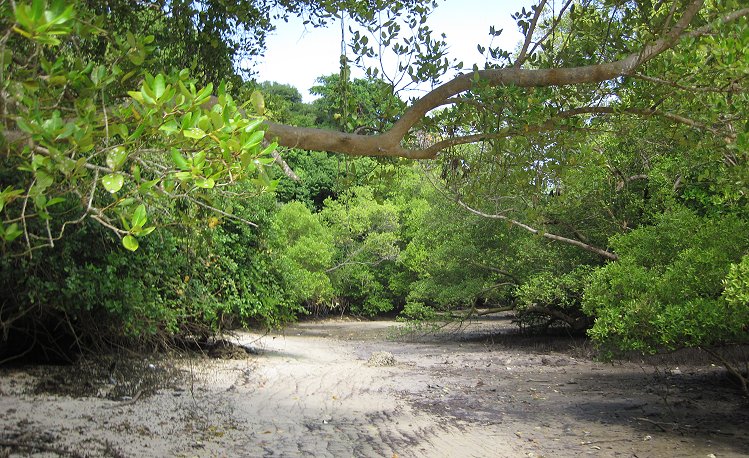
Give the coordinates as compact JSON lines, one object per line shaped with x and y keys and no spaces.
{"x":390,"y":143}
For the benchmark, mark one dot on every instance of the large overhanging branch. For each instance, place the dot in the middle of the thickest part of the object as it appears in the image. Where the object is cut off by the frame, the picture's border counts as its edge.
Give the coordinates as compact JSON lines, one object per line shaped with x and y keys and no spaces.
{"x":390,"y":143}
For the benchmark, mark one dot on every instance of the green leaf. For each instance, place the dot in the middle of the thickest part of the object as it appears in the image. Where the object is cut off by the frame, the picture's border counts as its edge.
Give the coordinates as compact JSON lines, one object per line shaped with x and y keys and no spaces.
{"x":254,"y":124}
{"x":170,"y":126}
{"x":204,"y":94}
{"x":37,"y":9}
{"x":186,"y":121}
{"x":136,"y":56}
{"x":136,"y":95}
{"x":195,"y":133}
{"x":8,"y":195}
{"x":127,"y":76}
{"x":204,"y":122}
{"x":130,"y":242}
{"x":139,"y":216}
{"x":131,"y":39}
{"x":31,"y":85}
{"x":138,"y":132}
{"x":54,"y":201}
{"x":206,"y":183}
{"x":24,"y":126}
{"x":43,"y":181}
{"x":116,"y":157}
{"x":22,"y":13}
{"x":216,"y":120}
{"x":12,"y":232}
{"x":254,"y":139}
{"x":98,"y":74}
{"x":269,"y":149}
{"x":126,"y":202}
{"x":159,"y":86}
{"x":148,"y":185}
{"x":246,"y":161}
{"x":113,"y":182}
{"x":198,"y":160}
{"x":147,"y":98}
{"x":258,"y":102}
{"x":65,"y":15}
{"x":146,"y":230}
{"x":179,"y":160}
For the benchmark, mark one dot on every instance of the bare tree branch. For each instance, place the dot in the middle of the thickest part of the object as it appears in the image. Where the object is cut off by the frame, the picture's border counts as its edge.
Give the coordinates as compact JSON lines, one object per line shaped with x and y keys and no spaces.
{"x":553,"y":27}
{"x":645,"y":112}
{"x":599,"y":251}
{"x":214,"y":209}
{"x":553,"y":125}
{"x":389,"y":143}
{"x":284,"y":166}
{"x":522,"y":56}
{"x":498,"y":270}
{"x":734,"y":86}
{"x":573,"y":322}
{"x":623,"y":182}
{"x":23,"y":218}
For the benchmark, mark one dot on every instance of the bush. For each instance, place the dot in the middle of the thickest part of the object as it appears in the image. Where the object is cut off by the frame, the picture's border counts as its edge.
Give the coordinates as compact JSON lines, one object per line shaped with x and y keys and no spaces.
{"x":736,"y":296}
{"x":87,"y":291}
{"x":367,"y":235}
{"x":301,"y":251}
{"x":667,"y":289}
{"x":190,"y":280}
{"x":233,"y":276}
{"x":417,"y":311}
{"x":547,"y":298}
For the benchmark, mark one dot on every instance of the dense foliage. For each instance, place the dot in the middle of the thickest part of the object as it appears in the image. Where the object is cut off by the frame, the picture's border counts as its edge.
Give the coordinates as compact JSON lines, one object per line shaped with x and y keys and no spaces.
{"x":133,"y":205}
{"x":667,"y":289}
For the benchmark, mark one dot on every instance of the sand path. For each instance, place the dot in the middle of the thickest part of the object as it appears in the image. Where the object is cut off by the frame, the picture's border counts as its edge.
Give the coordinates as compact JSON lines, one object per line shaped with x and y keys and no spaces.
{"x":311,"y":392}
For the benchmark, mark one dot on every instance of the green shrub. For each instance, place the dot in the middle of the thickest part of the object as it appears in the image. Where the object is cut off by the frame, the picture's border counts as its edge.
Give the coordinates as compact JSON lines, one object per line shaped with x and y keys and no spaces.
{"x":301,"y":250}
{"x":736,"y":297}
{"x":667,"y":288}
{"x":549,"y":298}
{"x":367,"y":235}
{"x":417,"y":311}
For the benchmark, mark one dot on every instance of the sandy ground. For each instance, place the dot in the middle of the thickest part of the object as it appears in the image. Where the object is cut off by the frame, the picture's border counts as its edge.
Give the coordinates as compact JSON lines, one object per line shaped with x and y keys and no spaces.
{"x":316,"y":390}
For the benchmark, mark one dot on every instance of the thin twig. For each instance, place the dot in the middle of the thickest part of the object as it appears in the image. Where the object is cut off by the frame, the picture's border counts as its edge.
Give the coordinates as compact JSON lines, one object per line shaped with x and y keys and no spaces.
{"x":106,"y":119}
{"x":221,"y":212}
{"x":135,"y":398}
{"x":23,"y":218}
{"x":529,"y":35}
{"x":552,"y":28}
{"x":101,"y":219}
{"x":284,"y":166}
{"x":658,"y":424}
{"x":599,"y":251}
